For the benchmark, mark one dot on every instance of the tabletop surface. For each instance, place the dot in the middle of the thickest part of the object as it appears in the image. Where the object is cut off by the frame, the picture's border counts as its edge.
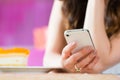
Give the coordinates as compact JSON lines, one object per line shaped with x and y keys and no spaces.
{"x":46,"y":76}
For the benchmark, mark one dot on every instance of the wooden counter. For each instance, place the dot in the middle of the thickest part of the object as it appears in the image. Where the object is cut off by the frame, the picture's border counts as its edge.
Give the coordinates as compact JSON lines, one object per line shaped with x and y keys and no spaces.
{"x":40,"y":76}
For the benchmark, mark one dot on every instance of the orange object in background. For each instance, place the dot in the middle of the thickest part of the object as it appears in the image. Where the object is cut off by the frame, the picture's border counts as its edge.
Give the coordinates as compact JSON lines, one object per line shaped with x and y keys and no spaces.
{"x":14,"y":57}
{"x":39,"y":35}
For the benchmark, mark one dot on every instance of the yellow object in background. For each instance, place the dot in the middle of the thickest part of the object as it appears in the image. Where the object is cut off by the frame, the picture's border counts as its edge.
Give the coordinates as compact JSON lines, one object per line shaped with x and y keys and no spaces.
{"x":14,"y":57}
{"x":14,"y":50}
{"x":0,"y":48}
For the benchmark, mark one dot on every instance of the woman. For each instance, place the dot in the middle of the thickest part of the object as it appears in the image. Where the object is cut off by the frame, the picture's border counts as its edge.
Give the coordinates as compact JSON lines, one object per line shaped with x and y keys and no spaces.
{"x":70,"y":14}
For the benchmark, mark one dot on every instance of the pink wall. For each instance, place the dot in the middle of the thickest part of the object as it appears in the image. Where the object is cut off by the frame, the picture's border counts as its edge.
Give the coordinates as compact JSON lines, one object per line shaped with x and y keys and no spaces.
{"x":19,"y":18}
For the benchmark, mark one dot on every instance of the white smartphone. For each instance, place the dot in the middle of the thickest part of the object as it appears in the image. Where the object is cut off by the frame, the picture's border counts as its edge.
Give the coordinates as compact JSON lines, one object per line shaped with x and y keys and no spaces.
{"x":82,"y":38}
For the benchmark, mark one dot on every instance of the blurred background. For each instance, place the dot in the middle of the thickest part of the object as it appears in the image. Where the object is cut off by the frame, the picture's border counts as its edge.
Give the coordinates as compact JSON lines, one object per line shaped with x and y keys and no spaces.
{"x":23,"y":23}
{"x":20,"y":18}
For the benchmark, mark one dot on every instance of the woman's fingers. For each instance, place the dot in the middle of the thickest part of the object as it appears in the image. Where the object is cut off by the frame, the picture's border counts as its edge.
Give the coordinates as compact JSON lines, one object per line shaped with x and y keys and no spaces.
{"x":66,"y":53}
{"x":76,"y":57}
{"x":86,"y":61}
{"x":69,"y":61}
{"x":67,"y":50}
{"x":90,"y":67}
{"x":92,"y":64}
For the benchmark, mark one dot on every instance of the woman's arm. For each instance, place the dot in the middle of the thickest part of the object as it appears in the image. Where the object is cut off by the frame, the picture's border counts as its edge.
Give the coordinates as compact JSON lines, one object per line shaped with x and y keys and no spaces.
{"x":58,"y":54}
{"x":55,"y":41}
{"x":107,"y":49}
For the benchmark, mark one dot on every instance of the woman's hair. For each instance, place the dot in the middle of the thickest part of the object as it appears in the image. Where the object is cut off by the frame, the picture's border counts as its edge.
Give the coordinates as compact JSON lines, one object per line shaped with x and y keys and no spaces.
{"x":75,"y":10}
{"x":112,"y":17}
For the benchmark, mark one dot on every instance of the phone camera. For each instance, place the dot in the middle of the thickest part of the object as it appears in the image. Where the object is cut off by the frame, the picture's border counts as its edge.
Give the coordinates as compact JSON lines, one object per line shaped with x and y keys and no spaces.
{"x":67,"y":35}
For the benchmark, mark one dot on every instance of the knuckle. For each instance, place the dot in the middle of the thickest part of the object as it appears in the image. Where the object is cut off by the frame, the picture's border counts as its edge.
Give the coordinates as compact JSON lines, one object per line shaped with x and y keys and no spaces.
{"x":87,"y":49}
{"x":87,"y":61}
{"x":74,"y":58}
{"x":84,"y":63}
{"x":92,"y":55}
{"x":64,"y":50}
{"x":91,"y":65}
{"x":80,"y":53}
{"x":90,"y":58}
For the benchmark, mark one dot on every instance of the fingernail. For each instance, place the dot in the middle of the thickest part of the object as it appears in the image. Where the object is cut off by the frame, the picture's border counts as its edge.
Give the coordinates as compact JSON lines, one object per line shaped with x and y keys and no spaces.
{"x":72,"y":43}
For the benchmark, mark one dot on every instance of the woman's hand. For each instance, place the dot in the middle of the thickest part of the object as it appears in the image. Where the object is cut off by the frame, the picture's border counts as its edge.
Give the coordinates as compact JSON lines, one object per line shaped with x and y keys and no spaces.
{"x":81,"y":61}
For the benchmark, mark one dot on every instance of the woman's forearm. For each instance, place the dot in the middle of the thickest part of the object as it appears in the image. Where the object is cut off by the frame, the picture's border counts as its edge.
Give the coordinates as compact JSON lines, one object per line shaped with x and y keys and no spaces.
{"x":52,"y":60}
{"x":94,"y":21}
{"x":55,"y":39}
